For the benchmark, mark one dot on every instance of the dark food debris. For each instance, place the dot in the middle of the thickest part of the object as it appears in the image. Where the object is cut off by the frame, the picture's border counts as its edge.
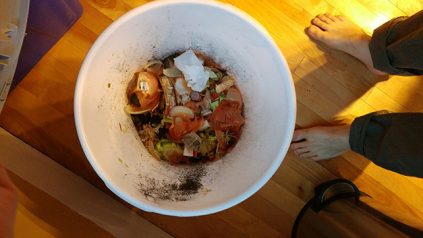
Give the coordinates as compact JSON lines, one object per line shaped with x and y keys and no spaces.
{"x":187,"y":185}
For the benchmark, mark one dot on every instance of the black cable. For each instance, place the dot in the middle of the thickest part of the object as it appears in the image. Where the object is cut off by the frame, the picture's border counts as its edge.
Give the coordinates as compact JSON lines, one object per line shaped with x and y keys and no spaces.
{"x":299,"y":217}
{"x":319,"y":202}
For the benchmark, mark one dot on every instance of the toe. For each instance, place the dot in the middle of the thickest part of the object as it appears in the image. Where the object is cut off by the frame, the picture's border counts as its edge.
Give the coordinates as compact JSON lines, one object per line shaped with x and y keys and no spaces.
{"x":324,"y":18}
{"x":318,"y":158}
{"x":307,"y":155}
{"x":331,"y":17}
{"x":299,"y":145}
{"x":315,"y":32}
{"x":299,"y":134}
{"x":319,"y":23}
{"x":302,"y":150}
{"x":341,"y":18}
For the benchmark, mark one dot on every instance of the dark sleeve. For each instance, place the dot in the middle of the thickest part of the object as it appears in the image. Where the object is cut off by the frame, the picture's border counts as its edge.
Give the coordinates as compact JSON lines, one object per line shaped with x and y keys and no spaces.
{"x":396,"y":46}
{"x":391,"y":140}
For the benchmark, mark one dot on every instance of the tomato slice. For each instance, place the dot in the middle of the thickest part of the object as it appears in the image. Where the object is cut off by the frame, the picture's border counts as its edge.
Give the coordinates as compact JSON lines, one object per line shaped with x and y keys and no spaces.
{"x":194,"y":125}
{"x":194,"y":106}
{"x":227,"y":116}
{"x":182,"y":126}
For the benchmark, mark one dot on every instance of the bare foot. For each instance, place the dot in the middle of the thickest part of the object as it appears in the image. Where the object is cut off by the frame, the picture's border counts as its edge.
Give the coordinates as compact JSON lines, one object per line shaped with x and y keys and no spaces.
{"x":319,"y":143}
{"x":339,"y":33}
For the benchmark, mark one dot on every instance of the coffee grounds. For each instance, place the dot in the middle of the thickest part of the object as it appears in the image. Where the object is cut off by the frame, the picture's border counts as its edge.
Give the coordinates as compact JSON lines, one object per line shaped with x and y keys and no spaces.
{"x":183,"y":189}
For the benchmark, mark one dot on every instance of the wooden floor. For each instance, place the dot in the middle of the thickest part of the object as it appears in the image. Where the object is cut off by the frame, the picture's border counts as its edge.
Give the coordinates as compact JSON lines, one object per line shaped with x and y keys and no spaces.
{"x":328,"y":84}
{"x":54,"y":202}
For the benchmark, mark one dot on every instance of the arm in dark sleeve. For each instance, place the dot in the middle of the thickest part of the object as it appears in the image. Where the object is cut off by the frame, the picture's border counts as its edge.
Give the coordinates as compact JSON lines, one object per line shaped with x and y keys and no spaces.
{"x":391,"y":140}
{"x":396,"y":47}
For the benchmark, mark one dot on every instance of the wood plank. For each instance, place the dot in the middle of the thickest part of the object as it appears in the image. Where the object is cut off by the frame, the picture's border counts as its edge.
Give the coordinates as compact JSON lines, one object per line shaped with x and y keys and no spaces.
{"x":50,"y":215}
{"x":409,"y":7}
{"x":406,"y":91}
{"x":61,"y":203}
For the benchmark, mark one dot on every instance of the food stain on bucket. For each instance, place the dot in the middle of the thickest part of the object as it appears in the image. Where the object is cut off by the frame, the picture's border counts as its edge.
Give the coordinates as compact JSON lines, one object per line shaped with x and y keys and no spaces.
{"x":186,"y":185}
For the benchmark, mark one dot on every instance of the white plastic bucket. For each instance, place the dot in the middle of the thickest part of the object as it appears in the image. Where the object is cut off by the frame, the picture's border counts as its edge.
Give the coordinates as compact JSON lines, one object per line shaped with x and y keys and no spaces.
{"x":154,"y":30}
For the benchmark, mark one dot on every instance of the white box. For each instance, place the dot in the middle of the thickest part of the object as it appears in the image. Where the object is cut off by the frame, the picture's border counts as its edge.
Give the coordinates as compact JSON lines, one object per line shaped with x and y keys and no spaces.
{"x":13,"y":19}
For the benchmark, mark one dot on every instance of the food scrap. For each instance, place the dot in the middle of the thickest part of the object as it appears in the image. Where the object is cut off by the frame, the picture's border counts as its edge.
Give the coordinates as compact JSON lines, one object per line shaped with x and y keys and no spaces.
{"x":186,"y":108}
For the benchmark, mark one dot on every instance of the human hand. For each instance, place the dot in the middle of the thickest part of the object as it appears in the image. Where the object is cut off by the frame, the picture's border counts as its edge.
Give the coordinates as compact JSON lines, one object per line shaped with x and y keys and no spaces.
{"x":8,"y":204}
